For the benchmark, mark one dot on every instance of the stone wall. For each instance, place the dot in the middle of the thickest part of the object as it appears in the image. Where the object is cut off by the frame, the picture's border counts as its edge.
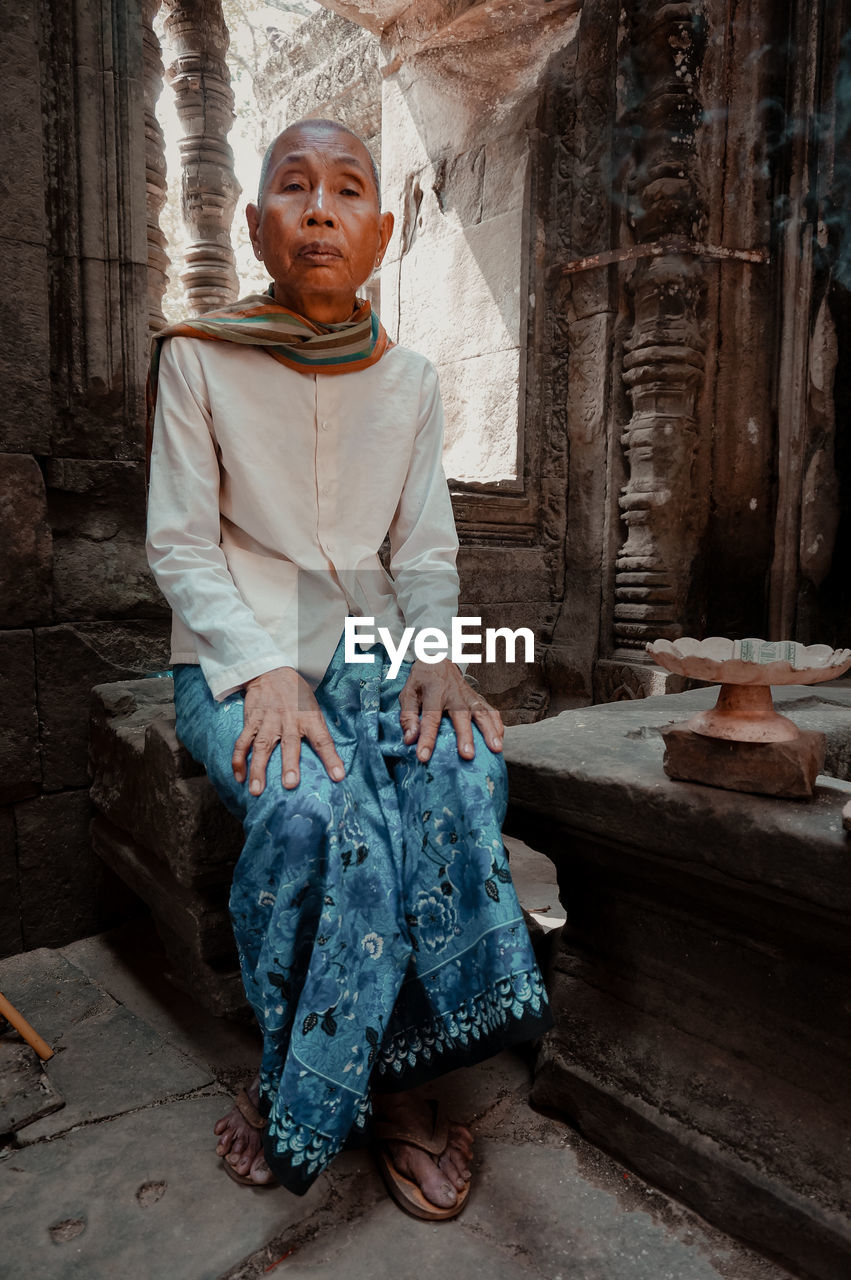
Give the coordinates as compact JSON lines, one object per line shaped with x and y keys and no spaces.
{"x":619,"y":239}
{"x":452,"y":109}
{"x":329,"y":67}
{"x":76,"y":603}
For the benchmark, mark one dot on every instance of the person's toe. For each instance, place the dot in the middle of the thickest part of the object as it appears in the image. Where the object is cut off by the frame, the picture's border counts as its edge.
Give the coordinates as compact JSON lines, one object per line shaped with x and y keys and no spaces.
{"x":226,"y":1141}
{"x":435,"y":1185}
{"x":449,"y":1165}
{"x":260,"y":1171}
{"x":460,"y":1139}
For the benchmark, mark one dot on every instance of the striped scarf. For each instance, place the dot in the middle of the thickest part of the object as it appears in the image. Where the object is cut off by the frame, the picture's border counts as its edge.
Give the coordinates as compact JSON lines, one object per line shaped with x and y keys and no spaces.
{"x":301,"y":344}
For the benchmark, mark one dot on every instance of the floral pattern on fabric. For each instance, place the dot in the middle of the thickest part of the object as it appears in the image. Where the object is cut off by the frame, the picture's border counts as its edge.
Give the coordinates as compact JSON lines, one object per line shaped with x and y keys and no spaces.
{"x":378,"y":931}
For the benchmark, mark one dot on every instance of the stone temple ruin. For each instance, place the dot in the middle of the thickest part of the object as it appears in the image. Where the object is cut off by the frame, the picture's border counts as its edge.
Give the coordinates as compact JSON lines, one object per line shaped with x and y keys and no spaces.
{"x":622,"y":237}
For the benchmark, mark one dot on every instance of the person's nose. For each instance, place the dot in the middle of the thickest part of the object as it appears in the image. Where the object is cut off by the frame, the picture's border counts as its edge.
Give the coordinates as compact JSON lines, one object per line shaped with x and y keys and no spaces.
{"x":319,"y":208}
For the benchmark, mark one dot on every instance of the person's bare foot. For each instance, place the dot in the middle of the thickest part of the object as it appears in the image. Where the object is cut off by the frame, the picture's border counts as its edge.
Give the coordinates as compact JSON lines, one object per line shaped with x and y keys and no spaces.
{"x":241,"y":1144}
{"x":439,"y":1178}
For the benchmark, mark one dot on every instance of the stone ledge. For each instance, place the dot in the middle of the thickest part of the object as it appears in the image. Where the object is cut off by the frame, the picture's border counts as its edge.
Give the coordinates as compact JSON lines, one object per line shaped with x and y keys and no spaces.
{"x":163,"y":830}
{"x":198,"y":917}
{"x":146,"y":782}
{"x":700,"y":982}
{"x":701,"y":1173}
{"x":598,"y":771}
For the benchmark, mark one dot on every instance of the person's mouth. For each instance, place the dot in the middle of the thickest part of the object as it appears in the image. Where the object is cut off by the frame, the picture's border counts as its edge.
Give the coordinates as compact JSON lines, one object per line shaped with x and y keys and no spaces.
{"x":319,"y":252}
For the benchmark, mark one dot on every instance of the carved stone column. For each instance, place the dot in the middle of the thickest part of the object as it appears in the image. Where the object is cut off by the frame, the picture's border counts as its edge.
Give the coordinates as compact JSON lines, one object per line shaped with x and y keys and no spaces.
{"x":209,"y":190}
{"x":663,"y":362}
{"x":155,"y":167}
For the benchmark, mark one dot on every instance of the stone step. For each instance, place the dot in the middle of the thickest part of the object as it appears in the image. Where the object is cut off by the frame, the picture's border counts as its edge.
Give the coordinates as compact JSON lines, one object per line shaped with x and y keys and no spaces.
{"x":146,"y":783}
{"x":199,"y":917}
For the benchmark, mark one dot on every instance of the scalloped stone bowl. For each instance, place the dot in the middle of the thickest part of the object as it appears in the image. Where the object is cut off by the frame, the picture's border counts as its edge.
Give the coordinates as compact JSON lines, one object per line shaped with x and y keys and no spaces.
{"x":746,"y":669}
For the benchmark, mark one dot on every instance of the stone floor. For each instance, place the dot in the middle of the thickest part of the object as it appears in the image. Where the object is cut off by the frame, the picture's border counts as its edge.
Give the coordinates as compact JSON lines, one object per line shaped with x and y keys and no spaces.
{"x":122,"y":1183}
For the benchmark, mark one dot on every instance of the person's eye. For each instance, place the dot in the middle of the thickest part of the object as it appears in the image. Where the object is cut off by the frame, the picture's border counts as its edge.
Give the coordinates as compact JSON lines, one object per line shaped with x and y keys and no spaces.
{"x":350,"y":191}
{"x":292,"y":186}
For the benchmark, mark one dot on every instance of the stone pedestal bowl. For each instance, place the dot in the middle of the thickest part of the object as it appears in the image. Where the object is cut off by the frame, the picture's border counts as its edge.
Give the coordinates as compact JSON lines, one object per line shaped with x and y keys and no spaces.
{"x":746,"y":670}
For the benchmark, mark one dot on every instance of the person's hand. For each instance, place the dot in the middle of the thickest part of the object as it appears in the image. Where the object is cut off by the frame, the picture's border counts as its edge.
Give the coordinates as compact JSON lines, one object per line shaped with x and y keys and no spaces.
{"x":432,"y":688}
{"x":280,"y":707}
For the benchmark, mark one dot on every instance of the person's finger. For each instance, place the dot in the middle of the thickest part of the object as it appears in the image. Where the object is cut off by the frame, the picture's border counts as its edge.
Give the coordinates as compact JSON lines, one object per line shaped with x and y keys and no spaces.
{"x":240,"y":751}
{"x":489,"y":722}
{"x":263,"y":746}
{"x":409,"y":711}
{"x":323,"y":744}
{"x":463,"y":726}
{"x":290,"y":754}
{"x":429,"y":723}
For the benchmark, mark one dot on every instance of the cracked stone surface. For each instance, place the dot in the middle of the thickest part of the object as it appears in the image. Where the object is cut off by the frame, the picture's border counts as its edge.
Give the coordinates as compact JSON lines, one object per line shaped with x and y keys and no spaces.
{"x":26,"y":1093}
{"x":112,"y":1064}
{"x":124,"y":1180}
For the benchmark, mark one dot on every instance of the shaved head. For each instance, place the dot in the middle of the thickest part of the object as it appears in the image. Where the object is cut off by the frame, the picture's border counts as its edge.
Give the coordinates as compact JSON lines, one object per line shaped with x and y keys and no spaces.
{"x":332,"y":126}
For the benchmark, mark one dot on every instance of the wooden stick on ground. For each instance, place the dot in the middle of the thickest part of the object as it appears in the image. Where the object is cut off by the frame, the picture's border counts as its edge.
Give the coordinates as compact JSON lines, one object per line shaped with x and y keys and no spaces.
{"x":24,"y":1029}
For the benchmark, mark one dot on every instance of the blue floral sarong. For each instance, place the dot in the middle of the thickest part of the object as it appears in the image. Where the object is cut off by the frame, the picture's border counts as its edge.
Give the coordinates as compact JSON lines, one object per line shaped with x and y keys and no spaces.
{"x":379,"y":935}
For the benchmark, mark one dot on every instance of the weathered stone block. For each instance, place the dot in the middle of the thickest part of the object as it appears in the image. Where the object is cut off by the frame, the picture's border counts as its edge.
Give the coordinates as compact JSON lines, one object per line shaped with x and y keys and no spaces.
{"x":621,"y":679}
{"x":21,"y":155}
{"x":105,"y":400}
{"x":216,"y":985}
{"x":197,"y":916}
{"x":767,"y":768}
{"x":329,"y":67}
{"x":70,"y":661}
{"x":11,"y":938}
{"x":20,"y":767}
{"x":193,"y":924}
{"x":25,"y":587}
{"x":64,"y":894}
{"x":481,"y":399}
{"x":767,"y":1165}
{"x":24,"y":362}
{"x":507,"y":165}
{"x":517,"y":687}
{"x":701,"y":980}
{"x":97,"y":513}
{"x":146,"y":783}
{"x":496,"y":574}
{"x":25,"y":357}
{"x":471,"y":273}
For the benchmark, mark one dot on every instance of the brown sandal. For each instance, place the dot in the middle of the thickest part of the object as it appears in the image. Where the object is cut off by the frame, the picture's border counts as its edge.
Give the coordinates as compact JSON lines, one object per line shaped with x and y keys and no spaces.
{"x":247,"y":1108}
{"x":405,"y":1192}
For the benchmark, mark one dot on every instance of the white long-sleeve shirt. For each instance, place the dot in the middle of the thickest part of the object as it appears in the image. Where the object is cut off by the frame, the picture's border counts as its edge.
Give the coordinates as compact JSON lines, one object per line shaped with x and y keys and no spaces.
{"x":271,"y":492}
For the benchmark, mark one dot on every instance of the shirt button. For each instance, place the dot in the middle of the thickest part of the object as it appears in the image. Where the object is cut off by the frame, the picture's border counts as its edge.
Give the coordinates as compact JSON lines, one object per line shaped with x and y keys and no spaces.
{"x":324,"y":426}
{"x":324,"y":491}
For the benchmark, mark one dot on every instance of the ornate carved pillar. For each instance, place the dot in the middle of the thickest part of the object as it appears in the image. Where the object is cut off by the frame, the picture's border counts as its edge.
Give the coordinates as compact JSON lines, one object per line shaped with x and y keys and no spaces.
{"x":209,"y":191}
{"x":155,"y":167}
{"x":663,"y":363}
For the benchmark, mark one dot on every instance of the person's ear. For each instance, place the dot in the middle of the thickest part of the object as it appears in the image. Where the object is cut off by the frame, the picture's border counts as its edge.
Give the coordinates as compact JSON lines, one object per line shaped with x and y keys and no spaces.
{"x":252,"y":217}
{"x":385,"y":231}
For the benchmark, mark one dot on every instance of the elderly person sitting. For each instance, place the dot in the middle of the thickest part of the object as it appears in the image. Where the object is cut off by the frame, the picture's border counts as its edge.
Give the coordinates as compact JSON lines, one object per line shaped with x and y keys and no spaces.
{"x":379,"y":935}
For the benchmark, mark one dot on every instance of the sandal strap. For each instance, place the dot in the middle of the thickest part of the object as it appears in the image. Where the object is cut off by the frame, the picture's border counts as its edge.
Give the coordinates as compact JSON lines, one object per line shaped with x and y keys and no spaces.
{"x":249,"y":1111}
{"x":434,"y":1142}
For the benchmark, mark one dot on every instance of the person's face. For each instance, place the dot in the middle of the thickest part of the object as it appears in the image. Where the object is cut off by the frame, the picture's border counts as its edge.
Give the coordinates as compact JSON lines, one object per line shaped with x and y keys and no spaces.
{"x":318,"y":228}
